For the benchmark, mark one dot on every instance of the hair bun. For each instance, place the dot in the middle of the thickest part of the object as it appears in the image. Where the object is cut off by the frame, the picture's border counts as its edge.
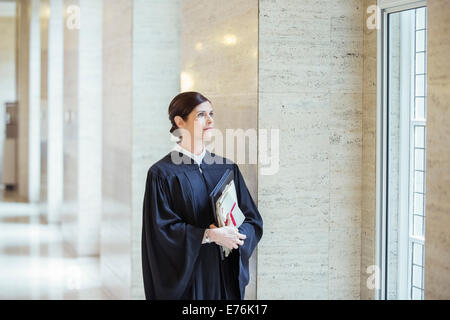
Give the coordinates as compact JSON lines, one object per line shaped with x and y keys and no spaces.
{"x":182,"y":105}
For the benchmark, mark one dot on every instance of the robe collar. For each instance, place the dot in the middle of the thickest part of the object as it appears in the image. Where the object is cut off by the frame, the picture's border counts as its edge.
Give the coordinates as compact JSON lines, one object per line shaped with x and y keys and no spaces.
{"x":197,"y":158}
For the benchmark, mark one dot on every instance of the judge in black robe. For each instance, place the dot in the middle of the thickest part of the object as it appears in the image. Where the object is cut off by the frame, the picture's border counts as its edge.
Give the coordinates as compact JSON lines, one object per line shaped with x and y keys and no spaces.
{"x":176,"y":212}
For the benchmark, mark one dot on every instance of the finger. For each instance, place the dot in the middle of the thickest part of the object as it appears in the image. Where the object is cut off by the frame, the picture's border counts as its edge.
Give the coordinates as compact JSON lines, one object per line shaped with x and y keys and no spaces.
{"x":241,"y":242}
{"x":242,"y":236}
{"x":228,"y":220}
{"x":235,"y":246}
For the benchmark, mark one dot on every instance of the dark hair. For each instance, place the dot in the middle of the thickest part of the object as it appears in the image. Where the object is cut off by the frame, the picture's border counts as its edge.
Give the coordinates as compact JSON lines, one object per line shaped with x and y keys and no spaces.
{"x":183,"y":104}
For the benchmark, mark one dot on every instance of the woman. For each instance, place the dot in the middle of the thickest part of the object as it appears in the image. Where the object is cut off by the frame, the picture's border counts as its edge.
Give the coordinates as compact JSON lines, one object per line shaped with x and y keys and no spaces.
{"x":180,"y":243}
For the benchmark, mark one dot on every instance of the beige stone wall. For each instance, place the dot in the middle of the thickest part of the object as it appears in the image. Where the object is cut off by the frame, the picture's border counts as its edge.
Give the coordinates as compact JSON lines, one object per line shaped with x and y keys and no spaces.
{"x":369,"y":116}
{"x":44,"y":19}
{"x":82,"y":127}
{"x":7,"y":74}
{"x":116,"y":178}
{"x":311,"y":88}
{"x":437,"y":233}
{"x":219,"y":45}
{"x":70,"y":89}
{"x":23,"y":34}
{"x":55,"y":114}
{"x":28,"y":96}
{"x":156,"y":80}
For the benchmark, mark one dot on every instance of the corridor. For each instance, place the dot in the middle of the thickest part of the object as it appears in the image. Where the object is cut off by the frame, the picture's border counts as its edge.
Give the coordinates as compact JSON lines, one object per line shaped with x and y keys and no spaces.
{"x":335,"y":112}
{"x":35,"y":263}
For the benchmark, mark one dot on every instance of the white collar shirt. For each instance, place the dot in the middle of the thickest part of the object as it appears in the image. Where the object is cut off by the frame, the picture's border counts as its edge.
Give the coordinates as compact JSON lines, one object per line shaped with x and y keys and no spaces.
{"x":197,"y":158}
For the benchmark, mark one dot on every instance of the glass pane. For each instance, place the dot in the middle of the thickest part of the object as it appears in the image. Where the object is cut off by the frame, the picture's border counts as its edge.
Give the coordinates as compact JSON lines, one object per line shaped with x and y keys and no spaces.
{"x":420,"y":18}
{"x":420,"y":137}
{"x":397,"y":142}
{"x":419,"y":182}
{"x":420,"y":40}
{"x":420,"y":85}
{"x":420,"y":63}
{"x":418,"y":254}
{"x":418,"y":203}
{"x":417,"y":277}
{"x":419,"y":165}
{"x":420,"y":108}
{"x":418,"y":226}
{"x":416,"y":294}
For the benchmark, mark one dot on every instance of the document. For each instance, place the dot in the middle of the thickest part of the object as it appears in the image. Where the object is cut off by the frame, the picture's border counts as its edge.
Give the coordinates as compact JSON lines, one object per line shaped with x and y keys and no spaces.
{"x":228,"y":204}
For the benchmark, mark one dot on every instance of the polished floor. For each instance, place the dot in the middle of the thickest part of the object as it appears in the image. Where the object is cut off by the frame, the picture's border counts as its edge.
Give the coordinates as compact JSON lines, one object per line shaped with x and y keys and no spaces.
{"x":35,"y":263}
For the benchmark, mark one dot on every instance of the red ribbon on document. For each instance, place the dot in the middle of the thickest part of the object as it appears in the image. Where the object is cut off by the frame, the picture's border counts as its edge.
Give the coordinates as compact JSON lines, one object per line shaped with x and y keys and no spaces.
{"x":231,"y":215}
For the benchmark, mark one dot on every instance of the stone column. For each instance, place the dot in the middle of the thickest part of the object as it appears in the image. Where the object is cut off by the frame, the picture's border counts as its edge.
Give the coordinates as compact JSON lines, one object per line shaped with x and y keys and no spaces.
{"x":310,"y":88}
{"x":369,"y":116}
{"x":141,"y":75}
{"x":83,"y":124}
{"x":34,"y":155}
{"x":29,"y":92}
{"x":7,"y":75}
{"x":55,"y":171}
{"x":437,"y":221}
{"x":115,"y":257}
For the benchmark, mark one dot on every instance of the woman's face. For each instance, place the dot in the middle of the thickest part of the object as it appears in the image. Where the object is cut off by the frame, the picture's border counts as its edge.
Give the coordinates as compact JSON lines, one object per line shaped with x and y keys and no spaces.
{"x":199,"y":122}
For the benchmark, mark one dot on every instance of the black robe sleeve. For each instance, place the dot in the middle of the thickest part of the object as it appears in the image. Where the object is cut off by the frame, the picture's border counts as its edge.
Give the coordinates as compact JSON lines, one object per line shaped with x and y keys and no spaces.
{"x":252,"y":227}
{"x":170,"y":245}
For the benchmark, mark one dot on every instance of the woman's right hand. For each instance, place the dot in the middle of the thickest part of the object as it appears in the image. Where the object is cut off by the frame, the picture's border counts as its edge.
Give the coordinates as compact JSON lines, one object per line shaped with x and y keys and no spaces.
{"x":227,"y":236}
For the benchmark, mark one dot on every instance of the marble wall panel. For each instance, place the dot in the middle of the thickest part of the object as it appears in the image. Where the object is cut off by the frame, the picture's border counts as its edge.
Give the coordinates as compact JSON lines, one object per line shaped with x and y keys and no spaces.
{"x":311,"y":89}
{"x":437,"y":234}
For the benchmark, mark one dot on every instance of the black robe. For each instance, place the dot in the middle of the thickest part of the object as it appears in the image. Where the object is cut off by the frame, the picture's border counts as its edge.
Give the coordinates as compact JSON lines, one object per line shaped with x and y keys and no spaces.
{"x":176,"y":211}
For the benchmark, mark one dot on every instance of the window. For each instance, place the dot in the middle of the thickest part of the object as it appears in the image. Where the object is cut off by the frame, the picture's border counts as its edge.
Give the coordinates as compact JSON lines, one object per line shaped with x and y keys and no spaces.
{"x":418,"y":128}
{"x":404,"y":149}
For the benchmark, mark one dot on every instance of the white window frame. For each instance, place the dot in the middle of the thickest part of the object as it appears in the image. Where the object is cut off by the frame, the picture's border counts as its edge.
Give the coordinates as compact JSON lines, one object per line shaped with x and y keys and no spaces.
{"x":386,"y":7}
